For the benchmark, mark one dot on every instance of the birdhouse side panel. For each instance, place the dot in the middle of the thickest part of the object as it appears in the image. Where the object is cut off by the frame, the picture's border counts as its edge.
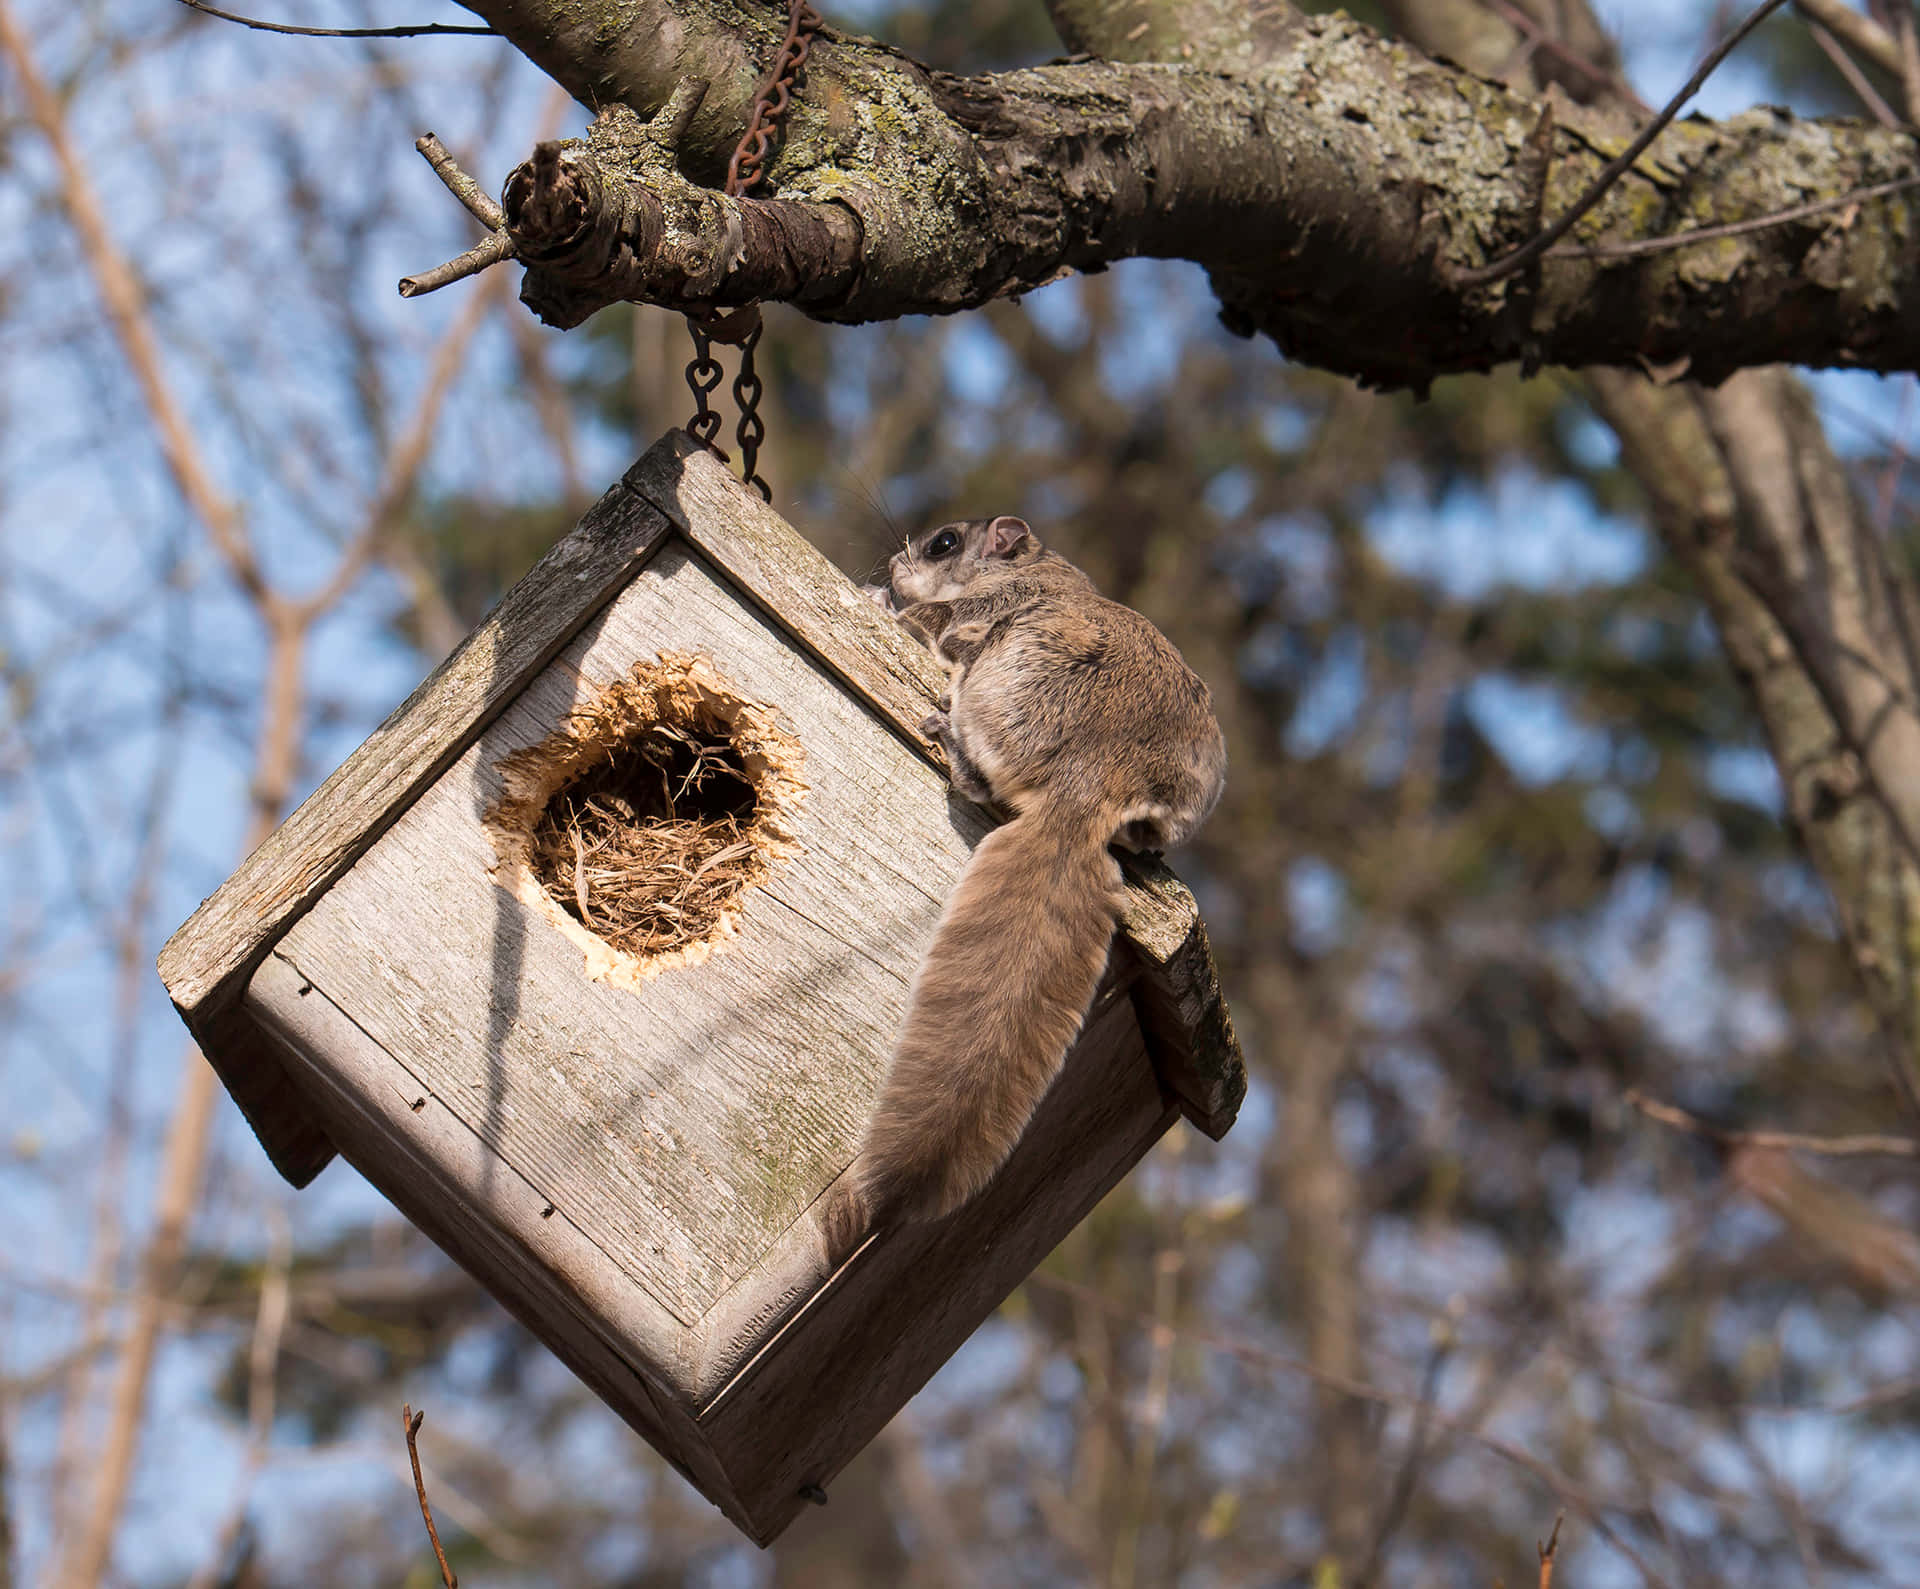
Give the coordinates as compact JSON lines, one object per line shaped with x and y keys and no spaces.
{"x":686,"y":1119}
{"x":442,"y":1177}
{"x":840,"y":1370}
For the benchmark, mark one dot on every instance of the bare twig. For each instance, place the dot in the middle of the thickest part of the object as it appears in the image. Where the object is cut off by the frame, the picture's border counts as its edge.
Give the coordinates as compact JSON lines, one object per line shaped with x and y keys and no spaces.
{"x":263,"y":1359}
{"x":416,"y":30}
{"x":1850,"y":1147}
{"x":481,"y":205}
{"x":411,"y":1421}
{"x":1909,"y":44}
{"x":1549,"y":1550}
{"x":1857,"y":80}
{"x":126,"y":310}
{"x":1759,"y":223}
{"x":6,"y":1515}
{"x":1887,"y":491}
{"x":1146,"y":1440}
{"x":131,"y":956}
{"x":549,"y":404}
{"x":86,"y":1558}
{"x":1859,"y":31}
{"x":1395,"y":1510}
{"x":1618,"y":167}
{"x":1563,"y":1486}
{"x":489,"y":251}
{"x":1547,"y":44}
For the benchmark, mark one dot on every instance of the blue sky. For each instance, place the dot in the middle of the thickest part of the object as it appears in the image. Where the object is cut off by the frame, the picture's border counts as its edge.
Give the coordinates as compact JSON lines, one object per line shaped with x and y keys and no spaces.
{"x":88,"y":525}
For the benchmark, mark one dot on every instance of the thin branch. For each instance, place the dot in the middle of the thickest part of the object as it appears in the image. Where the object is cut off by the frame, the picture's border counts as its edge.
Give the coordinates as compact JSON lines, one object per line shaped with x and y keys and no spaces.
{"x":481,"y":204}
{"x":489,"y":251}
{"x":1547,"y":44}
{"x":89,"y":1550}
{"x":408,"y":454}
{"x":417,"y":30}
{"x":1859,"y":31}
{"x":412,"y":1421}
{"x":132,"y":958}
{"x":126,"y":309}
{"x":1568,"y":1490}
{"x":1549,"y":1550}
{"x":550,"y":404}
{"x":1408,"y":1477}
{"x":1853,"y":1147}
{"x":1618,"y":167}
{"x":1759,"y":223}
{"x":1849,"y":68}
{"x":1909,"y":44}
{"x":1146,"y":1440}
{"x":263,"y":1361}
{"x":498,"y":245}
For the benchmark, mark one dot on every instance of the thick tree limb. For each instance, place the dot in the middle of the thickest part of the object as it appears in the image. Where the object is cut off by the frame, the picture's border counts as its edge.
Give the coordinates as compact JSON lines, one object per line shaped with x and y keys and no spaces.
{"x":1749,"y":497}
{"x":1334,"y":184}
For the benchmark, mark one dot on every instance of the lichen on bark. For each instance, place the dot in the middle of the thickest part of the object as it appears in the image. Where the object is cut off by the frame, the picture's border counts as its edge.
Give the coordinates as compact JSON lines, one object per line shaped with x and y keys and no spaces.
{"x":1335,"y":184}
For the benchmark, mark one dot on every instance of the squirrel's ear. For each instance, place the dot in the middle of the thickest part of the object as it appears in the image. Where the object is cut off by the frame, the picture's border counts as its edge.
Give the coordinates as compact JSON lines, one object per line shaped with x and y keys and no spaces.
{"x":1006,"y":535}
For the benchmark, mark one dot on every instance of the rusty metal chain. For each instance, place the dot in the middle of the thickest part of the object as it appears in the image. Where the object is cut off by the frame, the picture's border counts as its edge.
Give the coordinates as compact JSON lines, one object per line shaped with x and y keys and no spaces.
{"x":741,"y":327}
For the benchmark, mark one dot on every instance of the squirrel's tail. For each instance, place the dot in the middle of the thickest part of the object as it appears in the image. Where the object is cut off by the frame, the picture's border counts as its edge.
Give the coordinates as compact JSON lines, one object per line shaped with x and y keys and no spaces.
{"x":999,"y":998}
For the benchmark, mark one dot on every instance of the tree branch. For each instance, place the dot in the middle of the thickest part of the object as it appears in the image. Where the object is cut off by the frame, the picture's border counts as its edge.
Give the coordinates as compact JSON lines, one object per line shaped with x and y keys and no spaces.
{"x":1868,"y":1146}
{"x":1339,"y":188}
{"x":412,"y":31}
{"x":411,"y":1422}
{"x":1856,"y":29}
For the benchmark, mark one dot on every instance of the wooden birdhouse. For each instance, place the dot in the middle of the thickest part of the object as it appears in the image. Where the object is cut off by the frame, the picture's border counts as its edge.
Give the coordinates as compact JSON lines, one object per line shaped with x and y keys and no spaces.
{"x":591,"y":959}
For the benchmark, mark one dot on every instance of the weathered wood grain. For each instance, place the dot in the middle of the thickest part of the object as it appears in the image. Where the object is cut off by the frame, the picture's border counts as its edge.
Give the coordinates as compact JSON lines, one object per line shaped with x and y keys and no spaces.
{"x":527,"y":1253}
{"x":792,"y":584}
{"x":636,"y":1169}
{"x":839,"y":1369}
{"x":740,"y":1326}
{"x":205,"y":965}
{"x":688,"y":1120}
{"x":1182,"y":1009}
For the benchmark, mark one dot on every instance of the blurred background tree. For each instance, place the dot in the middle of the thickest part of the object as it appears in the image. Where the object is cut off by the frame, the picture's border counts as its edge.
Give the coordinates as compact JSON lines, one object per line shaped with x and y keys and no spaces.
{"x":1503,"y":851}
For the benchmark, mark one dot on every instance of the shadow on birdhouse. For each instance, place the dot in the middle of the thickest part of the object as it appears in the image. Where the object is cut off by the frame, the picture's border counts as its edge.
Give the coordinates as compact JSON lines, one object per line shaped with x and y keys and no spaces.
{"x":592,"y":957}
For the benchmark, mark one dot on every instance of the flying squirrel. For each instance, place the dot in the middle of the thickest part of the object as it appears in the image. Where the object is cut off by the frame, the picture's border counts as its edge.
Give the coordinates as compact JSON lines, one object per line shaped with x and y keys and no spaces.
{"x":1078,"y":719}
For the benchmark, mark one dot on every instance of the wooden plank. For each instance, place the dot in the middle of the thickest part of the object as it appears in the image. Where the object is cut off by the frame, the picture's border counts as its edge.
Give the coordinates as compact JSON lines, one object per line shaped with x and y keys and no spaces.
{"x":839,"y":1369}
{"x":269,"y":1096}
{"x":736,"y":1331}
{"x":687,"y":1121}
{"x":206,"y":964}
{"x":1182,"y":1009}
{"x":529,"y":1256}
{"x":792,"y":584}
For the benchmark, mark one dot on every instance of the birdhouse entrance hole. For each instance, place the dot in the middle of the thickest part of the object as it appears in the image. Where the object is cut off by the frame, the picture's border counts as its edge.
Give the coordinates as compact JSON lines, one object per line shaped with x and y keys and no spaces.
{"x":638,"y":826}
{"x":647,"y":848}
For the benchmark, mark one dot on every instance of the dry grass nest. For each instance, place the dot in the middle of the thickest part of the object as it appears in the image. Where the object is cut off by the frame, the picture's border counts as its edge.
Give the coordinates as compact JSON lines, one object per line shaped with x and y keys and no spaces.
{"x":649,"y":846}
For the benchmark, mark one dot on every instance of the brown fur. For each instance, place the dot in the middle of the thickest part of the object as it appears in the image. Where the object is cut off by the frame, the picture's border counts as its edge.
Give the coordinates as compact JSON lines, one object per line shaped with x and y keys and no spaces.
{"x":1078,"y":717}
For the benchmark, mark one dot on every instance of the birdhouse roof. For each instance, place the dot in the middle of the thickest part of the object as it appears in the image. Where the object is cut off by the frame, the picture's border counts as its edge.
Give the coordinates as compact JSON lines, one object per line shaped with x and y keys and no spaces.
{"x":676,"y":490}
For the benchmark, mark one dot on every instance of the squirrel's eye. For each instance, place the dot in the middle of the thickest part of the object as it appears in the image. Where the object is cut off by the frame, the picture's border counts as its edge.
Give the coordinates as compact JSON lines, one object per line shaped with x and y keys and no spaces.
{"x":943,"y":544}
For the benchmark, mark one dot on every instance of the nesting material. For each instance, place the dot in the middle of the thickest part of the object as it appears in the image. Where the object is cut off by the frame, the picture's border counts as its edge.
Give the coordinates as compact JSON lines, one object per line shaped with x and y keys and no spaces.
{"x":638,"y":827}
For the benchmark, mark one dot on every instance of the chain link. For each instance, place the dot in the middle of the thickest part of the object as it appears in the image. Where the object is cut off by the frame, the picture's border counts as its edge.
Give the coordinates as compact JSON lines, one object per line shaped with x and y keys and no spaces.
{"x":742,"y":326}
{"x":752,"y":430}
{"x":703,"y":375}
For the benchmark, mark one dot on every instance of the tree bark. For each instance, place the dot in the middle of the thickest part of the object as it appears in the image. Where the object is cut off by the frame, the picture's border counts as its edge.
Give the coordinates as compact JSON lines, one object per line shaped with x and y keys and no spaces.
{"x":1335,"y":184}
{"x":1816,"y":619}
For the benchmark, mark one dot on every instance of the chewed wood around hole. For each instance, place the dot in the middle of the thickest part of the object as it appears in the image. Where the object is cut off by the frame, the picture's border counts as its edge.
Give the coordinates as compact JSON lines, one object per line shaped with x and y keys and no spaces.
{"x":639,"y":825}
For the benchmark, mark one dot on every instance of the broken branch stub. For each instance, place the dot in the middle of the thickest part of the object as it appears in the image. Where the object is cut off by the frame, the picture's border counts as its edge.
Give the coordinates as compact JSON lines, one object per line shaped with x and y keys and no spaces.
{"x":610,"y":218}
